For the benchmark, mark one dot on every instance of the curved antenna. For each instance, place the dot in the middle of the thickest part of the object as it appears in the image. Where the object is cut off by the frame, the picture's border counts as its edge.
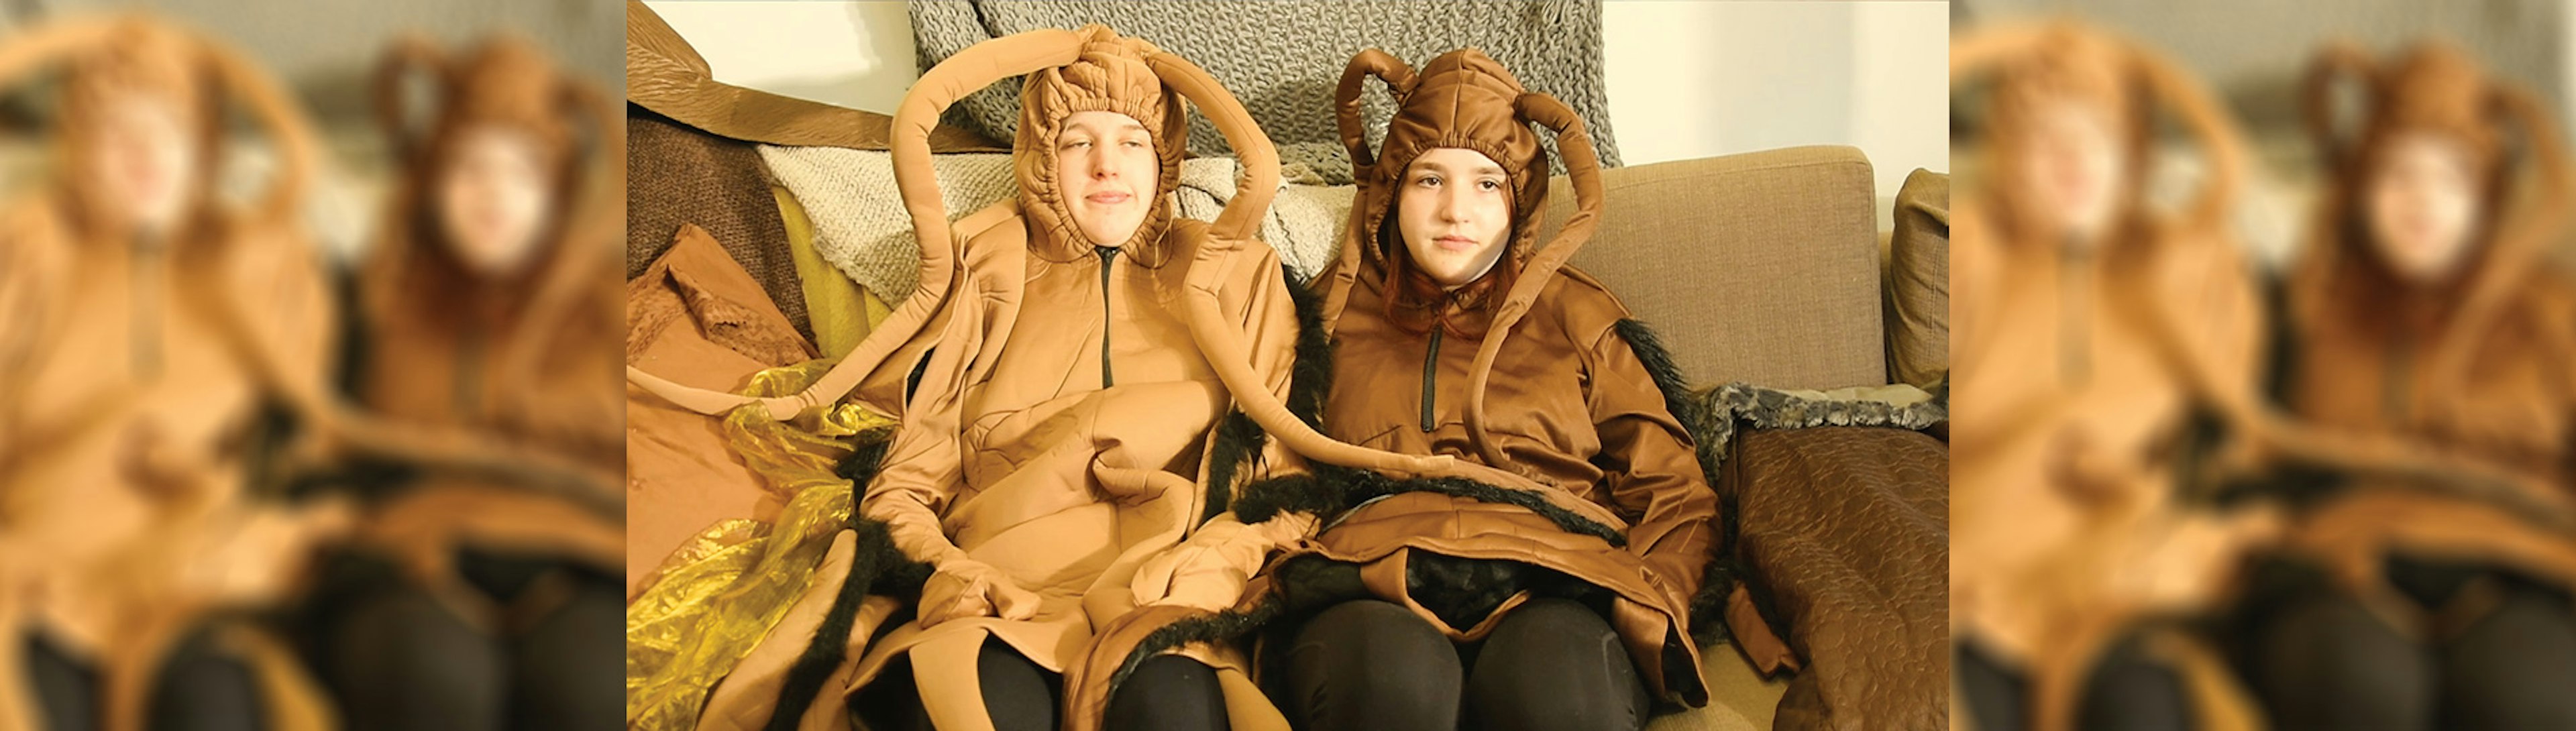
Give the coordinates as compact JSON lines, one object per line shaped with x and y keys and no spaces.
{"x":288,"y":128}
{"x":1338,"y":278}
{"x":1583,"y":169}
{"x":942,"y":256}
{"x":1223,"y":342}
{"x":2340,"y":61}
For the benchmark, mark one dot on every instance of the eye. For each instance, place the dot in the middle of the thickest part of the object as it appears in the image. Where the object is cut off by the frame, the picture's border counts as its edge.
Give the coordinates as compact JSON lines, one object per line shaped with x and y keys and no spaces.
{"x":1077,"y":144}
{"x":1134,"y":144}
{"x":1427,"y":181}
{"x":1489,"y":184}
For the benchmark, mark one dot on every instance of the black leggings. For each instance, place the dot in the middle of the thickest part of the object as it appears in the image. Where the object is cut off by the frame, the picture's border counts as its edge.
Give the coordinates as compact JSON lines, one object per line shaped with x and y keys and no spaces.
{"x":200,"y":689}
{"x":1549,"y":664}
{"x":2126,"y":691}
{"x":398,"y":659}
{"x":1166,"y":693}
{"x":2323,"y":660}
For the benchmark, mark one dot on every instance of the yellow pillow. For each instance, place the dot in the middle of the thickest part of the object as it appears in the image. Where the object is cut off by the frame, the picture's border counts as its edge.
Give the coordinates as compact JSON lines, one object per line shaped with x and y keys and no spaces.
{"x":841,"y":311}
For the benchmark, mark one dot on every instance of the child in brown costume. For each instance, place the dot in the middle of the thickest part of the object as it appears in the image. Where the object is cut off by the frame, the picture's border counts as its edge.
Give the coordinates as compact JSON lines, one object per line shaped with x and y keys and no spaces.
{"x":1545,"y":582}
{"x":146,"y":325}
{"x":490,"y":303}
{"x":2422,"y":310}
{"x":2089,"y":328}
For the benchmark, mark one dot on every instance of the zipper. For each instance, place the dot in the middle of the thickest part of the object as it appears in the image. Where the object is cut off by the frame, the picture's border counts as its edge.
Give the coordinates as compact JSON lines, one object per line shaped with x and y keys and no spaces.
{"x":1108,"y":254}
{"x":2075,"y":326}
{"x":149,"y":282}
{"x":2394,"y":394}
{"x":1430,"y":379}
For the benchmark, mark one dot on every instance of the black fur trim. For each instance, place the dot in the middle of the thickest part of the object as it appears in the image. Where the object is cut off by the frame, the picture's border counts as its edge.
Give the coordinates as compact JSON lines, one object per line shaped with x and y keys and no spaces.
{"x":1332,"y":490}
{"x":1238,"y":441}
{"x":1312,"y":379}
{"x":876,"y":567}
{"x":1216,"y":627}
{"x":1685,"y":406}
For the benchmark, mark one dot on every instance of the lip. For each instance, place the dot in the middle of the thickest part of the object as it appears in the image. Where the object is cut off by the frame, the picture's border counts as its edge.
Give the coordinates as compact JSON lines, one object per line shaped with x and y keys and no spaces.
{"x":1109,"y":198}
{"x":1454,"y":243}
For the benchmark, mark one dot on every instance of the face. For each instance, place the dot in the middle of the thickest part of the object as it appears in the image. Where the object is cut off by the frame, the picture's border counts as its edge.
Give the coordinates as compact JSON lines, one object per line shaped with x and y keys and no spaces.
{"x":143,"y":159}
{"x":1454,"y":208}
{"x":2423,"y":205}
{"x":1107,"y":174}
{"x":494,"y":198}
{"x":2071,"y":169}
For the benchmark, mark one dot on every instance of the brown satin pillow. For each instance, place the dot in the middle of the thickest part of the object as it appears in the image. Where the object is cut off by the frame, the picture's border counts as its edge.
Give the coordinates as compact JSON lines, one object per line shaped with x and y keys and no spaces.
{"x":1845,"y":532}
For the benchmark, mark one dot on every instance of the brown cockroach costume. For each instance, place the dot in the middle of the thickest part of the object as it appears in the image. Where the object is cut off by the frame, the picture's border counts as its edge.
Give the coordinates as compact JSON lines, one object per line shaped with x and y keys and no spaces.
{"x":2074,"y":364}
{"x":2480,"y":366}
{"x":131,"y":368}
{"x":1060,"y":429}
{"x":1583,"y":469}
{"x":531,"y":358}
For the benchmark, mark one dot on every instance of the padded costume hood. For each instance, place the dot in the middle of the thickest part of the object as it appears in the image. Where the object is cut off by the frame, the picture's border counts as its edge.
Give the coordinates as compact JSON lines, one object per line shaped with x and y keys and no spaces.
{"x":2058,"y":60}
{"x":205,"y":77}
{"x":1462,"y":99}
{"x":415,"y":284}
{"x":2433,"y":88}
{"x":1110,"y":74}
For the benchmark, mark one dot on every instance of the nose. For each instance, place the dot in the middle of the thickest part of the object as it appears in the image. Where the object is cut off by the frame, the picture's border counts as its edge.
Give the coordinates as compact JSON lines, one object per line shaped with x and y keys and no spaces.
{"x":1451,"y":205}
{"x":1102,"y":170}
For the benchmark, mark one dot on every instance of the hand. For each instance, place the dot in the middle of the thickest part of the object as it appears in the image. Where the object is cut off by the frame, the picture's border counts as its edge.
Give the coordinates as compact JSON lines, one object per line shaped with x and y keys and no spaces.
{"x":1188,"y":576}
{"x":969,"y":588}
{"x":2185,"y":563}
{"x":258,"y":557}
{"x":1211,"y":569}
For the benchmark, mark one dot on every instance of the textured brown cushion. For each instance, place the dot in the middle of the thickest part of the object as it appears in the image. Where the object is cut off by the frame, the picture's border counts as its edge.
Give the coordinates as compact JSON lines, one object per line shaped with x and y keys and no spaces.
{"x":1918,"y":281}
{"x":678,"y":175}
{"x":1846,"y":529}
{"x":1760,"y":267}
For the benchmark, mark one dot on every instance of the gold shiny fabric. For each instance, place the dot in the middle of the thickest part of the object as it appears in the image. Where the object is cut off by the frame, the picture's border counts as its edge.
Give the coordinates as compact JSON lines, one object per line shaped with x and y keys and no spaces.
{"x":721,"y":592}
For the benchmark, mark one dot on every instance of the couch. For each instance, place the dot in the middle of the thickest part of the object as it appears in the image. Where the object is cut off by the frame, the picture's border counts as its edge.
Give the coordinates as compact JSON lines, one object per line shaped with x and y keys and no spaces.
{"x":1763,"y":268}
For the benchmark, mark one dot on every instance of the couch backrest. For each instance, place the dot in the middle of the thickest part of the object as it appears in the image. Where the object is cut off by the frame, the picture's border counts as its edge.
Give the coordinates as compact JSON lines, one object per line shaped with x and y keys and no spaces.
{"x":1760,"y":267}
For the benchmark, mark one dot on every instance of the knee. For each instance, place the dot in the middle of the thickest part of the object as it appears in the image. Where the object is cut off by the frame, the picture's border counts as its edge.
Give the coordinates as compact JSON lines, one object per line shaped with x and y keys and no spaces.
{"x":400,"y":660}
{"x":1018,"y":693}
{"x":204,"y":689}
{"x":1169,"y":692}
{"x":2514,"y":668}
{"x":2328,"y":662}
{"x":565,"y":671}
{"x":2129,"y":691}
{"x":1555,"y":664}
{"x":1372,"y":664}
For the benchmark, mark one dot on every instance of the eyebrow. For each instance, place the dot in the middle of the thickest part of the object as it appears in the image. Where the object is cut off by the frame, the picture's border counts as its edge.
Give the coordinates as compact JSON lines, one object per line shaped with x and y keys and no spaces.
{"x":1434,"y":167}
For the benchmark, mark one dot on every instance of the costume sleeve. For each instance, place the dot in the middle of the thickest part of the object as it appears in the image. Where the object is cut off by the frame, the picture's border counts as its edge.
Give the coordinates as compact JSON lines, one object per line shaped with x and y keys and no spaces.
{"x":1652,"y":468}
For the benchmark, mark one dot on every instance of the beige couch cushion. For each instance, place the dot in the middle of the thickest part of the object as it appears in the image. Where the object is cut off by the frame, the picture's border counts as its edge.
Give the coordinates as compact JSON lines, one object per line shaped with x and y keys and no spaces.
{"x":1760,"y":267}
{"x":1918,"y":281}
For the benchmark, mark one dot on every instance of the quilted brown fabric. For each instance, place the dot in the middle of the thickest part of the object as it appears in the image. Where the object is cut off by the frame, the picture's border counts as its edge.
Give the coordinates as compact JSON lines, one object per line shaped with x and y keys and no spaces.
{"x":679,"y":175}
{"x":1848,"y":530}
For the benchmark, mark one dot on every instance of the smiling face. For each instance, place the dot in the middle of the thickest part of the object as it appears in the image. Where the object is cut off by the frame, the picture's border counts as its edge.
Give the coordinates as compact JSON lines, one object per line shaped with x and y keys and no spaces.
{"x":1454,"y":208}
{"x":494,"y":198}
{"x":2071,"y":168}
{"x":143,"y":158}
{"x":2423,"y":198}
{"x":1107,"y":173}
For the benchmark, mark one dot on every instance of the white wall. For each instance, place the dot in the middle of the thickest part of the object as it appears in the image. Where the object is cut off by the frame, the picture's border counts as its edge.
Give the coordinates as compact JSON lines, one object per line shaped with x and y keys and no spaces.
{"x":854,"y":54}
{"x":1686,"y":79}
